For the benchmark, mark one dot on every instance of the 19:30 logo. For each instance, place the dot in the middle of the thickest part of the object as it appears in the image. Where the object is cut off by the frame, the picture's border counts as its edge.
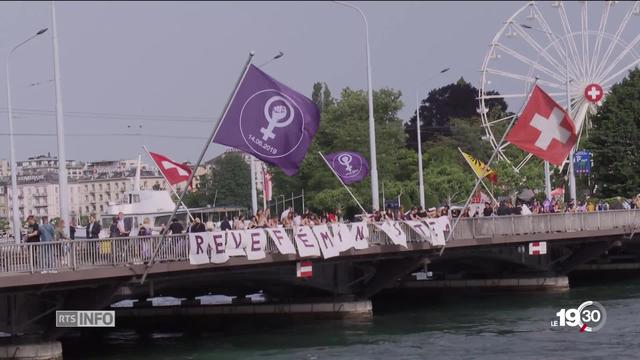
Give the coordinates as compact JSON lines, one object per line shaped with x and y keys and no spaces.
{"x":590,"y":316}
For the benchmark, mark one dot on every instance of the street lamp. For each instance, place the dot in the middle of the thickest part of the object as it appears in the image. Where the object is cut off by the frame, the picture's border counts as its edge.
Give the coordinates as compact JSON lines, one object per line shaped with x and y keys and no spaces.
{"x":547,"y":176}
{"x":12,"y":155}
{"x":419,"y":136}
{"x":375,"y":199}
{"x":278,"y":56}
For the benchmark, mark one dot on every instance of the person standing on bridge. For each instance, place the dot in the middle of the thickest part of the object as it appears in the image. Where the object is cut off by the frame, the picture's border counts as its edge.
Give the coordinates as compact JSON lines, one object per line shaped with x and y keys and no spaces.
{"x":47,"y":234}
{"x":175,"y":227}
{"x":33,"y":234}
{"x":93,"y":229}
{"x":122,"y":231}
{"x":197,"y":226}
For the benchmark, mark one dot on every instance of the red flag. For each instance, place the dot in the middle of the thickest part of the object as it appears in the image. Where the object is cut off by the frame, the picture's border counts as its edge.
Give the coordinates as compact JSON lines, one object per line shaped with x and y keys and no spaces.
{"x":544,"y":129}
{"x":266,"y":184}
{"x":174,"y":172}
{"x":304,"y":269}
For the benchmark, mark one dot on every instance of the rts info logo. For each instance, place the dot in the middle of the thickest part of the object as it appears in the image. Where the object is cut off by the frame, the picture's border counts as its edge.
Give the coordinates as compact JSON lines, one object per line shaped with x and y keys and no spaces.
{"x":590,"y":316}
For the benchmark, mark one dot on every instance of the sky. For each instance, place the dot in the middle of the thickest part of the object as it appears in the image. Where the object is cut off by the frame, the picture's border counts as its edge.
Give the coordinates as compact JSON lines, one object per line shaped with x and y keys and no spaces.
{"x":159,"y":73}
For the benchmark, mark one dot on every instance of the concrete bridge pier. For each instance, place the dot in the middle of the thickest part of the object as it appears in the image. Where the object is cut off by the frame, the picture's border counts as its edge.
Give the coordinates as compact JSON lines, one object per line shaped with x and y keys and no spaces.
{"x":31,"y":349}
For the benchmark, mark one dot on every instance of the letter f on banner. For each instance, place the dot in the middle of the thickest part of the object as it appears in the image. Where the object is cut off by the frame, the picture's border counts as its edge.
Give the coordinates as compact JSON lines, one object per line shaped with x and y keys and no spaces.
{"x":544,"y":129}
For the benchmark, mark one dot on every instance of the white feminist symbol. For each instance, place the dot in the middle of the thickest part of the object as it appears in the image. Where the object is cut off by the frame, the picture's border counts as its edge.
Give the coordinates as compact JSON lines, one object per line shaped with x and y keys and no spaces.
{"x":278,"y":113}
{"x":345,"y":159}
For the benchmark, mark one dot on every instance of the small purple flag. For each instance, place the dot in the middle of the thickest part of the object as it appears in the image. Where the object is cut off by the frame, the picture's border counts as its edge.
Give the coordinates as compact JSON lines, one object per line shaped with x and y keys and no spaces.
{"x":350,"y":166}
{"x":270,"y":121}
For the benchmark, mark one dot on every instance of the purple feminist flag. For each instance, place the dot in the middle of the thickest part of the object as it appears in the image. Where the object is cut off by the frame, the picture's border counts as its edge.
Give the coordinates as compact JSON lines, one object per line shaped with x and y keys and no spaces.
{"x":348,"y":165}
{"x":270,"y":121}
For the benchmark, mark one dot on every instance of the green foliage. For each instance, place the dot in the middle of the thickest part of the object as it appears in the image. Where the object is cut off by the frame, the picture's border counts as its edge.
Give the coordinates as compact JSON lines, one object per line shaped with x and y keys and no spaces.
{"x":344,"y":126}
{"x":4,"y":224}
{"x":614,"y":139}
{"x":456,"y":100}
{"x":229,"y":183}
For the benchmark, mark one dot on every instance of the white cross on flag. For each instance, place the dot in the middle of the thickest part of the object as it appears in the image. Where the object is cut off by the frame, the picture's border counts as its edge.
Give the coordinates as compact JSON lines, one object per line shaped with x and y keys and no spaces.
{"x":304,"y":269}
{"x":538,"y":248}
{"x":173,"y":172}
{"x":544,"y":129}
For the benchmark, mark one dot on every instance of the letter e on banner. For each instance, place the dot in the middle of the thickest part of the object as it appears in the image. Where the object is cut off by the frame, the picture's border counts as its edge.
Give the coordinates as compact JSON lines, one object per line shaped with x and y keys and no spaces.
{"x":360,"y":233}
{"x":281,"y":239}
{"x":326,"y":241}
{"x":256,"y":244}
{"x":198,"y":248}
{"x":306,"y":242}
{"x":218,"y":253}
{"x":236,"y":243}
{"x":342,"y":236}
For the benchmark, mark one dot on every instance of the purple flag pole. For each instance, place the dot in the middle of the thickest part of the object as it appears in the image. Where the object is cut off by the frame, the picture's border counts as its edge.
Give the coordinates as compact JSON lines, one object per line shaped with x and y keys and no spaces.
{"x":342,"y":182}
{"x":204,"y":151}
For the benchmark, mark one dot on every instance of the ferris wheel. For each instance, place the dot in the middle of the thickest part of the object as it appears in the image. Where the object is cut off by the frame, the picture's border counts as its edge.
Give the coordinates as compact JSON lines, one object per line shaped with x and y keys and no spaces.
{"x":574,"y":50}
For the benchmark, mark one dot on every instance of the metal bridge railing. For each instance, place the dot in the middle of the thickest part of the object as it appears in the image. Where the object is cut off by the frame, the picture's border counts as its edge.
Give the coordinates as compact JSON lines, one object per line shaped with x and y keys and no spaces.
{"x":82,"y":254}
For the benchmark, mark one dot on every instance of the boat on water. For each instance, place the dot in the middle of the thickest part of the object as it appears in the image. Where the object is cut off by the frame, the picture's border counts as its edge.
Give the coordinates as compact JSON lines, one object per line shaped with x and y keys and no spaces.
{"x":157,"y":205}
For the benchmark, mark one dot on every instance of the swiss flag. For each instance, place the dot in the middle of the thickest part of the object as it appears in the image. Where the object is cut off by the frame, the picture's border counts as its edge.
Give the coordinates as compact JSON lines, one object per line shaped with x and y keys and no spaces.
{"x":174,"y":172}
{"x":304,"y":269}
{"x":544,"y":129}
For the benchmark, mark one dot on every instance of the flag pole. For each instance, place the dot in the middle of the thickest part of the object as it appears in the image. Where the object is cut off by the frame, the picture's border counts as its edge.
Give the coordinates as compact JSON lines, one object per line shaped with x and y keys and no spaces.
{"x":478,"y":177}
{"x":216,"y":126}
{"x":173,"y":189}
{"x":495,"y":152}
{"x":343,"y":184}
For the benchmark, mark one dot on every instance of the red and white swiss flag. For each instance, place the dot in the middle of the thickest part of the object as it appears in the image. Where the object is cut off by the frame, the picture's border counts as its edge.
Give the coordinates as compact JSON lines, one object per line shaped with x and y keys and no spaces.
{"x":544,"y":129}
{"x":174,"y":172}
{"x":538,"y":248}
{"x":304,"y":269}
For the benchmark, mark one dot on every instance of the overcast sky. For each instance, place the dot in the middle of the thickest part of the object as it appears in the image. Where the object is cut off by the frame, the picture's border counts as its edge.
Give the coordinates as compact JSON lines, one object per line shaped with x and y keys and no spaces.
{"x":170,"y":66}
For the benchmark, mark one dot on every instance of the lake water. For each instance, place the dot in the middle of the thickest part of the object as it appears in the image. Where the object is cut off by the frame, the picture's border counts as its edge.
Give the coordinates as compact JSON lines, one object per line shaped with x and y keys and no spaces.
{"x":480,"y":326}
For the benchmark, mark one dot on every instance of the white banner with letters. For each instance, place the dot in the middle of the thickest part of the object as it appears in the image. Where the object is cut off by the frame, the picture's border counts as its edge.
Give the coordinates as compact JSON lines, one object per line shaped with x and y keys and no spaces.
{"x":394,"y":231}
{"x":343,"y":237}
{"x":218,"y":252}
{"x":326,"y":241}
{"x":421,"y":229}
{"x":360,"y":233}
{"x":256,"y":244}
{"x":282,"y":241}
{"x":306,"y":242}
{"x":437,"y":231}
{"x":198,"y":248}
{"x":236,"y":243}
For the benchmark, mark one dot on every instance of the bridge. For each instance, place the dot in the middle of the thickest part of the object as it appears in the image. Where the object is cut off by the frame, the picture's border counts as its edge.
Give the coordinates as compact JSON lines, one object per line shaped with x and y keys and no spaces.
{"x":92,"y":274}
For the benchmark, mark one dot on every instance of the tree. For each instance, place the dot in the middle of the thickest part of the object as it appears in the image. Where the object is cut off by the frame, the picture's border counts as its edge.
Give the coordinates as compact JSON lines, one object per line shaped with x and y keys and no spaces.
{"x":614,"y":139}
{"x":456,"y":100}
{"x":344,"y":126}
{"x":229,"y":182}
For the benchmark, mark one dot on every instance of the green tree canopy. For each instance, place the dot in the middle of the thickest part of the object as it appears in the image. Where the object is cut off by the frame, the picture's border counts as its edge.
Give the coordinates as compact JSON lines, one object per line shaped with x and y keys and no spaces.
{"x":614,"y":139}
{"x":228,"y":182}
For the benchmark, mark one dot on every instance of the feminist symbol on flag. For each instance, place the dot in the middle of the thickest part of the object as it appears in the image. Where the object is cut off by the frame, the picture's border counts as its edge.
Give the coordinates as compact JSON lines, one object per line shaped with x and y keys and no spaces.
{"x":345,"y":159}
{"x":278,"y":112}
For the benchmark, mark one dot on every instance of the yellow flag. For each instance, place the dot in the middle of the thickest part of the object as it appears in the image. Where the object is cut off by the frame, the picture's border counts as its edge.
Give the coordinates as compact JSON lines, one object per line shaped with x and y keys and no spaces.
{"x":480,"y":168}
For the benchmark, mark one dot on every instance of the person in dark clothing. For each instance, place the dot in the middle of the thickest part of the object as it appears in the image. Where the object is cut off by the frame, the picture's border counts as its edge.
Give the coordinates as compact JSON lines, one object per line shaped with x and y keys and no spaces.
{"x":197,"y":226}
{"x":113,"y":229}
{"x":176,"y":227}
{"x":72,"y":232}
{"x":33,"y":235}
{"x":93,"y":228}
{"x":225,"y":225}
{"x":503,"y":209}
{"x":488,"y":210}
